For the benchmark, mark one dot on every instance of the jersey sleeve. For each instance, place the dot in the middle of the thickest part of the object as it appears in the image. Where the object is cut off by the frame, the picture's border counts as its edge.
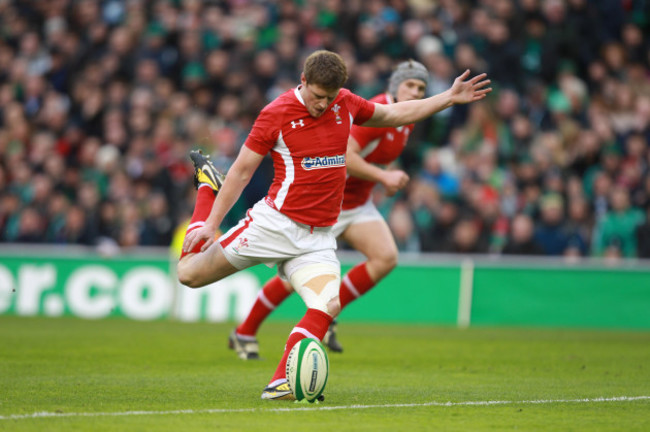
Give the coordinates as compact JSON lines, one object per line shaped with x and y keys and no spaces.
{"x":360,"y":108}
{"x":263,"y":135}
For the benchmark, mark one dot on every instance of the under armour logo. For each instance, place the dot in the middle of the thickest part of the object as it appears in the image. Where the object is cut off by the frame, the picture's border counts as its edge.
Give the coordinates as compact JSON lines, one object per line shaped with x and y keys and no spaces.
{"x":298,"y":123}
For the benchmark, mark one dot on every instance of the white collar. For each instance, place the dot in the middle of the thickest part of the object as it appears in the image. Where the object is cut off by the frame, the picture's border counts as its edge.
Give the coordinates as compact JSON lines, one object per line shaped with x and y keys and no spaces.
{"x":296,"y":91}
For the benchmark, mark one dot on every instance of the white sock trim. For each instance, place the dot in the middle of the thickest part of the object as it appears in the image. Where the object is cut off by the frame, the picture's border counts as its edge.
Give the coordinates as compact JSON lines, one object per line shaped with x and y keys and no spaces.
{"x":266,"y":301}
{"x":195,"y":225}
{"x":204,"y":185}
{"x":350,"y":286}
{"x":303,"y":332}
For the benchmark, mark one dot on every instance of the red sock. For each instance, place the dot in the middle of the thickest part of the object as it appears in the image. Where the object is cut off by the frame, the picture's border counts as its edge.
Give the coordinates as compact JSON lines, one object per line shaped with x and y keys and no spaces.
{"x":204,"y":200}
{"x":355,"y":284}
{"x":314,"y":325}
{"x":271,"y":296}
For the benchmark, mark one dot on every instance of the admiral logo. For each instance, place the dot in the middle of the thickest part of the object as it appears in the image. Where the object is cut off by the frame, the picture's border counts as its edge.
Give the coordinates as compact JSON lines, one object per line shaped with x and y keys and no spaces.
{"x":318,"y":162}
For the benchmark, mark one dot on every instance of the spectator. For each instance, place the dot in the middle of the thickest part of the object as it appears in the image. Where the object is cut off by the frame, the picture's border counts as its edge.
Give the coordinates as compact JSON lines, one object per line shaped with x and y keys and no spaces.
{"x":551,"y":234}
{"x":30,"y":227}
{"x":439,"y":237}
{"x":403,"y":228}
{"x":616,"y":232}
{"x":432,"y":172}
{"x":466,"y":237}
{"x":75,"y":229}
{"x":579,"y":226}
{"x":521,"y":240}
{"x":157,"y":228}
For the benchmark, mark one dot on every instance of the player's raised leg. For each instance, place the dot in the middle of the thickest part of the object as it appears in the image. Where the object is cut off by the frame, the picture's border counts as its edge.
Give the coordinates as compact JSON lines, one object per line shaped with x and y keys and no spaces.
{"x":207,"y":181}
{"x":198,"y":269}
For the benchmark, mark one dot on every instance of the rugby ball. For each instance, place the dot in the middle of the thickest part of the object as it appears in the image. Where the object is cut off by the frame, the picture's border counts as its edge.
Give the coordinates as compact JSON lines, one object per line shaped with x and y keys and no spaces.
{"x":307,"y":369}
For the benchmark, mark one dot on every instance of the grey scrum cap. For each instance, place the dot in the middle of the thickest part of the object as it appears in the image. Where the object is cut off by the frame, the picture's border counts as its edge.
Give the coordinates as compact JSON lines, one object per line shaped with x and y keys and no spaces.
{"x":409,"y":69}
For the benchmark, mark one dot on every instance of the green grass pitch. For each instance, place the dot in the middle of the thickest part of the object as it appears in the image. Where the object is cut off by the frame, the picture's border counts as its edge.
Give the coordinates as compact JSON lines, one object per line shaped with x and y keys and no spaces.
{"x":117,"y":375}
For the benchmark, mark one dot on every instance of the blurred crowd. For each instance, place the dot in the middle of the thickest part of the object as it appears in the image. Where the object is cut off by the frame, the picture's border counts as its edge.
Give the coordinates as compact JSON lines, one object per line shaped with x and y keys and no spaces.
{"x":101,"y":101}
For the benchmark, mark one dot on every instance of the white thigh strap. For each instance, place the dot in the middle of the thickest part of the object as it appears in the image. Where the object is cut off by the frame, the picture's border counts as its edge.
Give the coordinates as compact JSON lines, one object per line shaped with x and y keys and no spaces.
{"x":317,"y":293}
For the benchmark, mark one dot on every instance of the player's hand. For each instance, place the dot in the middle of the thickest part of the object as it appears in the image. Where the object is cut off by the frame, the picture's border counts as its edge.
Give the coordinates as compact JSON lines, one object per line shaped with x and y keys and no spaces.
{"x":195,"y":237}
{"x":474,"y":89}
{"x":394,"y":180}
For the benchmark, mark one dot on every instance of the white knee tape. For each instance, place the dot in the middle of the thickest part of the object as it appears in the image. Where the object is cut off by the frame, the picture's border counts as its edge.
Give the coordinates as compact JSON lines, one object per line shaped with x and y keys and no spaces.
{"x":313,"y":299}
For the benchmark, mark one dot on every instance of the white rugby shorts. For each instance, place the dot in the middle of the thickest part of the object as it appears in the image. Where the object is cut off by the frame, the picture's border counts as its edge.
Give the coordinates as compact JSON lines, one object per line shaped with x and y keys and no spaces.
{"x":269,"y":237}
{"x":364,"y":213}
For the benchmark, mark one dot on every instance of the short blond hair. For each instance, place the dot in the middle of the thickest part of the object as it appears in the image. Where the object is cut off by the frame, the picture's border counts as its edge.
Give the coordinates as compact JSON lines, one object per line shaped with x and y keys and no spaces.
{"x":325,"y":69}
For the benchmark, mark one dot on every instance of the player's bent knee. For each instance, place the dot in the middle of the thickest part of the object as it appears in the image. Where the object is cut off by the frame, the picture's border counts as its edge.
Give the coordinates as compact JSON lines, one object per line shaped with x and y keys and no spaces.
{"x":389,"y":261}
{"x":186,"y":274}
{"x":383,"y":262}
{"x":318,"y":285}
{"x":381,"y":265}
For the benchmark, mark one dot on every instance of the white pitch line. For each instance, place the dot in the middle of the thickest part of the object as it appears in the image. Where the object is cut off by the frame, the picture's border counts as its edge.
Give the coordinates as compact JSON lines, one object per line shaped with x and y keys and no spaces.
{"x":322,"y":408}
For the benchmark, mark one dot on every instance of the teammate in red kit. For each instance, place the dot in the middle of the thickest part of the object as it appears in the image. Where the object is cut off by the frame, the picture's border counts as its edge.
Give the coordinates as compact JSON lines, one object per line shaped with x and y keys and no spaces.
{"x":306,"y":130}
{"x":359,"y":224}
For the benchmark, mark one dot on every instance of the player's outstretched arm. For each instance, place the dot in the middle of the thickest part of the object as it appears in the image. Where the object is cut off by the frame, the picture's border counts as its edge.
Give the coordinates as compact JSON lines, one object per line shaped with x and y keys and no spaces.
{"x":461,"y":92}
{"x":238,"y":177}
{"x":392,"y":180}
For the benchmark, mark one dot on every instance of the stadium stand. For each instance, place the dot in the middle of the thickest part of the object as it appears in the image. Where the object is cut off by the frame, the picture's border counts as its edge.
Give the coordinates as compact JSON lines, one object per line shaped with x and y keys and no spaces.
{"x":101,"y":101}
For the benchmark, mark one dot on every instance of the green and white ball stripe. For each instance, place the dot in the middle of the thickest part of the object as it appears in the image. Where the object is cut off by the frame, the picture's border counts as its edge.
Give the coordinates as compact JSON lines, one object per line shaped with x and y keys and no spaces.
{"x":307,"y":369}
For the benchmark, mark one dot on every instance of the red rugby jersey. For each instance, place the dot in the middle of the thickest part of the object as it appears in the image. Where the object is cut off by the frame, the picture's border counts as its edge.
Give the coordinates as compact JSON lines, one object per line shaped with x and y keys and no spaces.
{"x":308,"y":154}
{"x":379,"y":146}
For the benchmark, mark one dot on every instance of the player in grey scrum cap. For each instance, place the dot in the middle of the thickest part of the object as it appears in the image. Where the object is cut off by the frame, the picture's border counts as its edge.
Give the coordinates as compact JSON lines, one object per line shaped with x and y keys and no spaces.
{"x":370,"y":151}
